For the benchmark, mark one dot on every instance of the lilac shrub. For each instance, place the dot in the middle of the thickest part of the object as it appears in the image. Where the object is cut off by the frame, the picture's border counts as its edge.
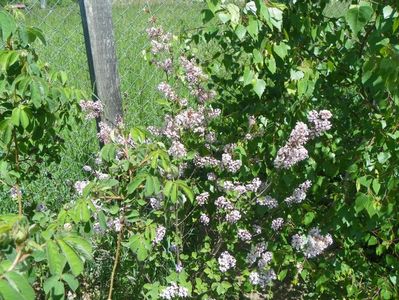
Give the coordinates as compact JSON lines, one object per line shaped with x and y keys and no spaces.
{"x":200,"y":217}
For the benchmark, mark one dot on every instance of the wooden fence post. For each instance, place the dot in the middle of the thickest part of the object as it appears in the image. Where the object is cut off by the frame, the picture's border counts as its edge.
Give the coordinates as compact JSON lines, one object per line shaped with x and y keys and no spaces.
{"x":100,"y":48}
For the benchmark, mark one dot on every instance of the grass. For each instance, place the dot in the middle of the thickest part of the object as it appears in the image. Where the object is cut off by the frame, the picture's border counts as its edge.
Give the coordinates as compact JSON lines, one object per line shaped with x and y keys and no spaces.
{"x":65,"y":50}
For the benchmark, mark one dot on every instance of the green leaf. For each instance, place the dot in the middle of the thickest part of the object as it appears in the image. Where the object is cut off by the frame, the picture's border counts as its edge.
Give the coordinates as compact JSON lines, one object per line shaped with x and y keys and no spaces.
{"x":309,"y":216}
{"x":186,"y":190}
{"x":167,"y":188}
{"x":50,"y":283}
{"x":22,"y":284}
{"x":234,"y":12}
{"x":282,"y":274}
{"x":259,"y":87}
{"x":74,"y":261}
{"x":71,"y":281}
{"x":248,"y":75}
{"x":358,"y":17}
{"x":24,"y":117}
{"x":281,"y":49}
{"x":149,"y":186}
{"x":253,"y":27}
{"x":173,"y":193}
{"x":8,"y":292}
{"x":7,"y":25}
{"x":336,"y":8}
{"x":240,"y":31}
{"x":133,"y":185}
{"x":382,"y":157}
{"x":56,"y":262}
{"x":80,"y":245}
{"x":108,"y":152}
{"x":271,"y":64}
{"x":376,"y":186}
{"x":276,"y":17}
{"x":15,"y":116}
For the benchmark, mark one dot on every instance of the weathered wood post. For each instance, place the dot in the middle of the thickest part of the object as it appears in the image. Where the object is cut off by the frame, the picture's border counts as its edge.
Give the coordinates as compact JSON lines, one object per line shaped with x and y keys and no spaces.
{"x":100,"y":48}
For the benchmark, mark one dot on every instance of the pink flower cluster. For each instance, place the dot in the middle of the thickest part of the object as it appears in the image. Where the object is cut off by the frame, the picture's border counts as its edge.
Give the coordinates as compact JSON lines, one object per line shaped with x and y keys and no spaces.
{"x":299,"y":193}
{"x":194,"y":78}
{"x":93,"y":109}
{"x":160,"y":41}
{"x":294,"y":150}
{"x":177,"y":150}
{"x":319,"y":122}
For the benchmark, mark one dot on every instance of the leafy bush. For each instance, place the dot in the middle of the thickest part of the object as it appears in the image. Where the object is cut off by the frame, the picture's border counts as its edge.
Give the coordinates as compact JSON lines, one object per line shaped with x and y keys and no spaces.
{"x":36,"y":105}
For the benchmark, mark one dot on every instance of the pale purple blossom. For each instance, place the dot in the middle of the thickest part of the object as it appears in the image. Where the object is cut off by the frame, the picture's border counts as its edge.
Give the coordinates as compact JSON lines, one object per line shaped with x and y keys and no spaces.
{"x":177,"y":150}
{"x":174,"y":291}
{"x":319,"y":122}
{"x":93,"y":109}
{"x":155,"y":203}
{"x":204,"y":219}
{"x":226,"y":261}
{"x":264,"y":259}
{"x":202,"y":198}
{"x":159,"y":234}
{"x":267,"y":201}
{"x":294,"y":150}
{"x":231,"y":165}
{"x":313,"y":244}
{"x":211,"y":176}
{"x":105,"y":132}
{"x":80,"y":185}
{"x":256,"y":252}
{"x":277,"y":224}
{"x":222,"y":203}
{"x":233,"y":216}
{"x":299,"y":193}
{"x":168,"y":92}
{"x":87,"y":168}
{"x":244,"y":235}
{"x":15,"y":192}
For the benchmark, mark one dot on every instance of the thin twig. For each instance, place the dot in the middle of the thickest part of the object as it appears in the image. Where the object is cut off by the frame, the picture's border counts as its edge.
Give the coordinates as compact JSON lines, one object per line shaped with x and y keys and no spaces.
{"x":117,"y":255}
